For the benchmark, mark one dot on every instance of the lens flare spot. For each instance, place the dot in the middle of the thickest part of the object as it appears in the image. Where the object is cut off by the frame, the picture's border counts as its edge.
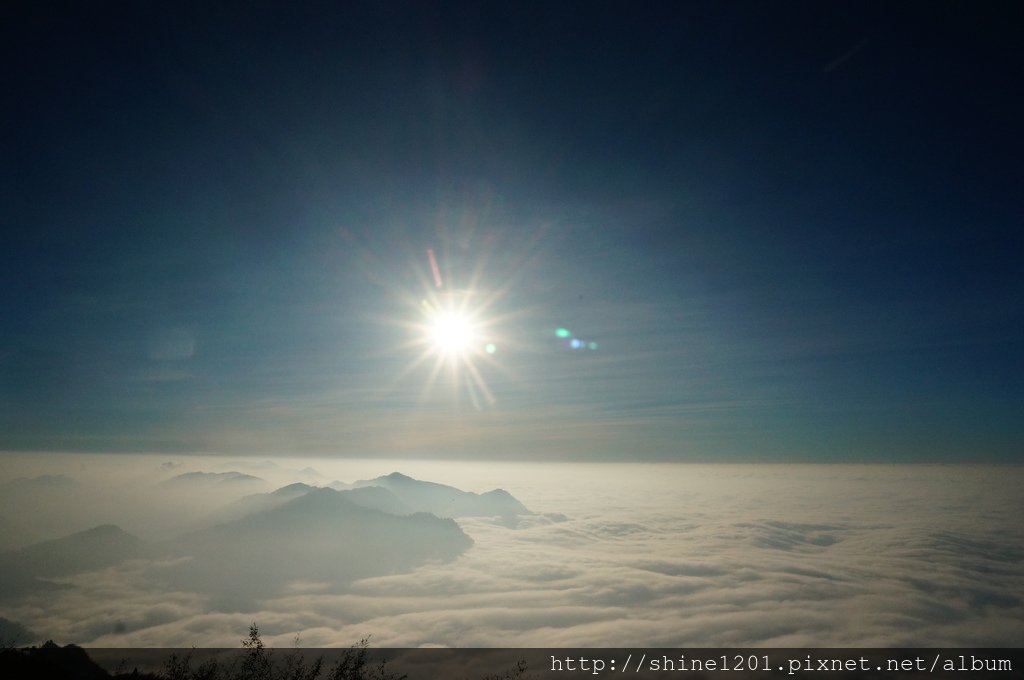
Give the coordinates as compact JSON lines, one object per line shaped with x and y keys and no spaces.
{"x":490,"y":348}
{"x":562,"y":333}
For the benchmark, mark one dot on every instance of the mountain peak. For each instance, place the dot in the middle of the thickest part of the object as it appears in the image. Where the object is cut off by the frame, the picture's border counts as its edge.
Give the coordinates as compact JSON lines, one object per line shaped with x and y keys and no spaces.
{"x":103,"y":531}
{"x":95,"y":548}
{"x":446,"y":501}
{"x":291,"y":489}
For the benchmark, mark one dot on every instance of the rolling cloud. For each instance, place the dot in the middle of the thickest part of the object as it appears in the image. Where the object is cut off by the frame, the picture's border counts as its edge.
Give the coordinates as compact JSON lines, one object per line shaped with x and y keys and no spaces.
{"x":656,"y":555}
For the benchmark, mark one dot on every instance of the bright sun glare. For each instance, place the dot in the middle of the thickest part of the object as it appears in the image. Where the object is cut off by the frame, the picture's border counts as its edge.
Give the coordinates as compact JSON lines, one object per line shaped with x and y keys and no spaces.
{"x":454,"y":336}
{"x":451,"y":333}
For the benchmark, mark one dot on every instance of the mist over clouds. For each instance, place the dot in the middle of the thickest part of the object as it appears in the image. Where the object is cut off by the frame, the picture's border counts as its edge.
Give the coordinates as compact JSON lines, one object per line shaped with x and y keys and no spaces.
{"x":614,"y":554}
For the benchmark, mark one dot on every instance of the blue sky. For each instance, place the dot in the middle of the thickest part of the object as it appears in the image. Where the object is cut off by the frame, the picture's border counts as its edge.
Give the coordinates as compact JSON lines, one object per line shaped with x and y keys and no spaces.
{"x":793,"y":232}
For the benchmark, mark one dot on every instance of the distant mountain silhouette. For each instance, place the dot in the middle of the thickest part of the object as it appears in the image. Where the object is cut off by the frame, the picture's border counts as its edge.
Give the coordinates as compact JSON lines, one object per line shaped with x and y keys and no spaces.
{"x":39,"y":482}
{"x":103,"y":546}
{"x":259,"y":502}
{"x":50,"y":661}
{"x":373,"y":497}
{"x":395,"y":494}
{"x":321,"y":536}
{"x":211,"y":479}
{"x":378,"y":498}
{"x":443,"y":500}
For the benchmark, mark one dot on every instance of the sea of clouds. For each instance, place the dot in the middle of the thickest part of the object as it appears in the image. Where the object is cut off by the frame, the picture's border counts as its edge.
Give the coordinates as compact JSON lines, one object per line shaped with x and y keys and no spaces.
{"x":617,"y":555}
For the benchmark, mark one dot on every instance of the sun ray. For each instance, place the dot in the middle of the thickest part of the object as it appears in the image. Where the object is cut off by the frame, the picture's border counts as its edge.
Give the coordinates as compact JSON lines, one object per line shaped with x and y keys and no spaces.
{"x":462,"y":321}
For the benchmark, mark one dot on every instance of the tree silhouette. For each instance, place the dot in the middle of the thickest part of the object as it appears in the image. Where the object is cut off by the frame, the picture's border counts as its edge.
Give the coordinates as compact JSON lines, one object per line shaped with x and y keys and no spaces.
{"x":258,"y":663}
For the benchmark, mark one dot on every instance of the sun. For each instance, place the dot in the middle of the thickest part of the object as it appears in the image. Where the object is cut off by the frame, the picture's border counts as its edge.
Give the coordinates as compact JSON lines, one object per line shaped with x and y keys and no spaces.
{"x":456,"y":339}
{"x":452,"y":333}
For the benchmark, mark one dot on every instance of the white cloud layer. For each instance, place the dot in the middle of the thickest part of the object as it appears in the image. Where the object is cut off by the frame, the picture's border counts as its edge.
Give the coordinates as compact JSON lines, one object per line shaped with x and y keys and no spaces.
{"x":647,"y":555}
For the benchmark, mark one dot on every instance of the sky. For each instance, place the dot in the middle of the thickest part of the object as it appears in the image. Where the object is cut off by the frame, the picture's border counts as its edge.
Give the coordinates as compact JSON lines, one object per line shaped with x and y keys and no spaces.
{"x":776,"y":232}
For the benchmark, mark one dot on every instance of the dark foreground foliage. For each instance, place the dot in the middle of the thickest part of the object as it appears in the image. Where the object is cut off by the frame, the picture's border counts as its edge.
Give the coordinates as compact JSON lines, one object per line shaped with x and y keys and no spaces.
{"x":254,"y":662}
{"x":259,"y":663}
